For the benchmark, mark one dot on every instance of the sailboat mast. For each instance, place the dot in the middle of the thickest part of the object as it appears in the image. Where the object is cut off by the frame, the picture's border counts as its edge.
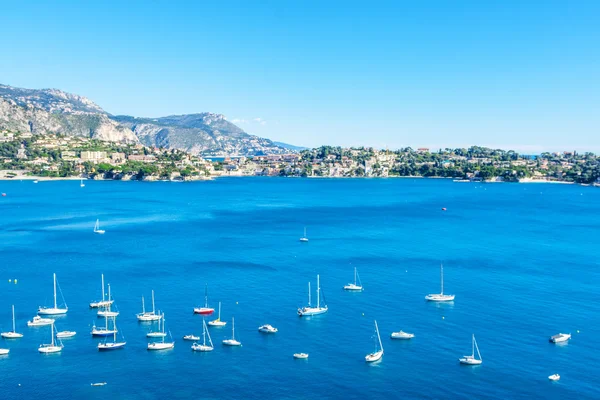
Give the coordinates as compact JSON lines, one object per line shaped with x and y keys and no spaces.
{"x":114,"y":329}
{"x":108,"y":306}
{"x":354,"y":276}
{"x":378,"y":336}
{"x":143,"y":306}
{"x":103,"y":288}
{"x":52,"y":333}
{"x":442,"y":277}
{"x":13,"y":310}
{"x":153,"y":302}
{"x":309,"y":294}
{"x":219,"y":317}
{"x":54,"y":275}
{"x":473,"y":346}
{"x":232,"y":328}
{"x":318,"y":292}
{"x":203,"y":332}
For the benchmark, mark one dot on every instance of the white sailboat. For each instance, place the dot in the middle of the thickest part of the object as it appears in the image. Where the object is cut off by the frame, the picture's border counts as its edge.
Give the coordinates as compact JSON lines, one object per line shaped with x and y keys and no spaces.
{"x":218,"y":322}
{"x":51,"y":347}
{"x":12,"y":334}
{"x":39,"y":321}
{"x":439,"y":297}
{"x":472,"y":360}
{"x":204,"y":346}
{"x":304,"y":238}
{"x":159,"y":333}
{"x":357,"y":285}
{"x":309,"y":310}
{"x":148,"y":316}
{"x":206,"y":310}
{"x":378,"y":353}
{"x":103,"y":332}
{"x":103,"y":303}
{"x":97,"y":228}
{"x":232,"y":341}
{"x":162,"y":345}
{"x":114,"y":345}
{"x":106,"y":310}
{"x":54,"y":310}
{"x":81,"y":184}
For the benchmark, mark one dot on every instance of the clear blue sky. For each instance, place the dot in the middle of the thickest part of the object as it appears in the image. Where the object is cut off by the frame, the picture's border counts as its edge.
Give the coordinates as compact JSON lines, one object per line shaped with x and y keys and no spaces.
{"x":514,"y":74}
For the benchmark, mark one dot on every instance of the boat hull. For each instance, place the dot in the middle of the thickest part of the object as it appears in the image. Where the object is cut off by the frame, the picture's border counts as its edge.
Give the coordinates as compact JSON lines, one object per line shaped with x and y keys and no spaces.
{"x":11,"y":335}
{"x":554,"y":377}
{"x":99,"y":304}
{"x":374,"y":356}
{"x":402,"y":335}
{"x":231,"y":342}
{"x":156,"y":334}
{"x":38,"y":321}
{"x":439,"y":297}
{"x":50,"y":349}
{"x":148,"y":317}
{"x":468,"y":360}
{"x":65,"y":334}
{"x":103,"y":333}
{"x":111,"y":346}
{"x":4,"y":352}
{"x":52,"y":311}
{"x":217,"y":323}
{"x":204,"y":310}
{"x":308,"y":311}
{"x":191,"y":337}
{"x":301,"y":356}
{"x":107,"y":314}
{"x":160,"y":346}
{"x":202,"y":348}
{"x":353,"y":288}
{"x":560,"y":338}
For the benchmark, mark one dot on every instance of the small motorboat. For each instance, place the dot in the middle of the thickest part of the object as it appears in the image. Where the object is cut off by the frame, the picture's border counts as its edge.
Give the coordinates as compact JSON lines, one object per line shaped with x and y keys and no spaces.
{"x":554,"y":377}
{"x":301,"y":356}
{"x":65,"y":334}
{"x":3,"y":194}
{"x":191,"y":337}
{"x":561,"y":337}
{"x":4,"y":352}
{"x":98,"y":384}
{"x":39,"y":321}
{"x":267,"y":329}
{"x":402,"y":335}
{"x":443,"y":208}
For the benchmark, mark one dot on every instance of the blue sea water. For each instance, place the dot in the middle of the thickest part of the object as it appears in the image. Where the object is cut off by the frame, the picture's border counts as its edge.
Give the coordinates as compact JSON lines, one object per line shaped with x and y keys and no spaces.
{"x":523,"y":261}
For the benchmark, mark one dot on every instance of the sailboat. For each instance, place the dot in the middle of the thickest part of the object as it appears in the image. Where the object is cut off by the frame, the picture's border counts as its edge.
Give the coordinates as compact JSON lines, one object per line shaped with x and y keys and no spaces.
{"x":148,"y":316}
{"x":471,"y":360}
{"x":97,"y":228}
{"x":204,"y":346}
{"x":440,"y":296}
{"x":106,"y":310}
{"x":232,"y":341}
{"x":218,"y":322}
{"x":309,"y":310}
{"x":96,"y":331}
{"x":114,"y":345}
{"x":51,"y":347}
{"x":357,"y":285}
{"x":378,"y":353}
{"x":206,"y":310}
{"x":103,"y":303}
{"x":160,"y":333}
{"x":53,"y":310}
{"x":162,"y":345}
{"x":12,"y":334}
{"x":304,"y":238}
{"x":81,"y":184}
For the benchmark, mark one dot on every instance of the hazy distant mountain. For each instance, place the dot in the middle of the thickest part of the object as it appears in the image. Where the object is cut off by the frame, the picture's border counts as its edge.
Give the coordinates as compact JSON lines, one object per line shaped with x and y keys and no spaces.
{"x":290,"y":146}
{"x":204,"y":133}
{"x":54,"y":111}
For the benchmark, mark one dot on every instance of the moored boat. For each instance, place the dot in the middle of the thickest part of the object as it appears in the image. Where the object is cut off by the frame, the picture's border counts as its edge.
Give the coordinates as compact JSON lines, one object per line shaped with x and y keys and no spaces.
{"x":206,"y":310}
{"x":561,"y":337}
{"x":472,"y":360}
{"x":440,"y":297}
{"x":309,"y":310}
{"x":378,"y":353}
{"x":12,"y":334}
{"x":402,"y":335}
{"x":267,"y":329}
{"x":55,"y":310}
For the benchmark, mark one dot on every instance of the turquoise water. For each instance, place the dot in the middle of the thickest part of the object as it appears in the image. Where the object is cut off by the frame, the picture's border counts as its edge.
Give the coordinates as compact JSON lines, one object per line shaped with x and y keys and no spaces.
{"x":523,"y":261}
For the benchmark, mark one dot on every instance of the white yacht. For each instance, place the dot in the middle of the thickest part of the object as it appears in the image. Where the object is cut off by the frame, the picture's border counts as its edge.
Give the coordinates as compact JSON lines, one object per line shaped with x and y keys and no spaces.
{"x":561,"y":337}
{"x":191,"y":337}
{"x":357,"y":285}
{"x":39,"y":321}
{"x":554,"y":377}
{"x":218,"y":322}
{"x":114,"y":345}
{"x":65,"y":334}
{"x":148,"y":316}
{"x":103,"y":302}
{"x":232,"y":341}
{"x":54,"y":310}
{"x":160,"y":333}
{"x":378,"y":353}
{"x":267,"y":329}
{"x":204,"y":346}
{"x":440,"y":297}
{"x":53,"y":346}
{"x":97,"y":228}
{"x":12,"y":334}
{"x":304,"y":238}
{"x":106,"y":311}
{"x":472,"y":360}
{"x":309,"y":310}
{"x":4,"y":352}
{"x":301,"y":356}
{"x":106,"y":331}
{"x":402,"y":335}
